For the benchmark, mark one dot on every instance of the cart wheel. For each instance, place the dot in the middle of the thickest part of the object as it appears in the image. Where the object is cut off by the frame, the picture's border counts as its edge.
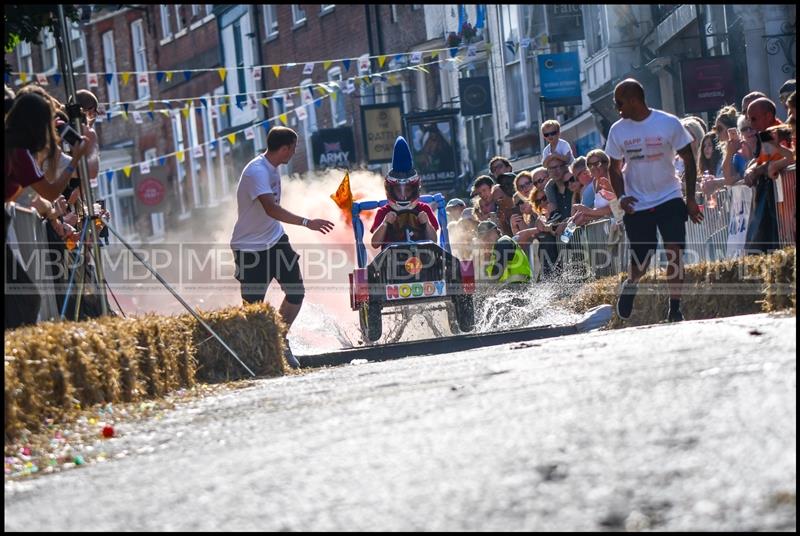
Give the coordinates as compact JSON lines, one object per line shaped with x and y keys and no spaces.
{"x":369,"y":317}
{"x":464,"y":312}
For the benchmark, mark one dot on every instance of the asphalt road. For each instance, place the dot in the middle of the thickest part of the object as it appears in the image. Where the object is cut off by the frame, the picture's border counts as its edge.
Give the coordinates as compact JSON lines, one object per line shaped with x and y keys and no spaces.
{"x":668,"y":427}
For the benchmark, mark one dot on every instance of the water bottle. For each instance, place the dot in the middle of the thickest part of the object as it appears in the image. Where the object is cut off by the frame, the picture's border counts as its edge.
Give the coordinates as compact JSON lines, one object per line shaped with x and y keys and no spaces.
{"x":711,"y":200}
{"x":568,"y":232}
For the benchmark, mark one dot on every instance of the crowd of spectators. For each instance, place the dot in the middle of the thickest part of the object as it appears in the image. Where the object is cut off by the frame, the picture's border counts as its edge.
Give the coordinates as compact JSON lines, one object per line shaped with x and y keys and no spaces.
{"x":43,"y":151}
{"x":747,"y":146}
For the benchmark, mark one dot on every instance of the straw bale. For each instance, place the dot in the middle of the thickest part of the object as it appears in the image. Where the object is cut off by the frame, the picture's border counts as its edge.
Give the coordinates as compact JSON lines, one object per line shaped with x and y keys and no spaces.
{"x":255,"y":332}
{"x":753,"y":284}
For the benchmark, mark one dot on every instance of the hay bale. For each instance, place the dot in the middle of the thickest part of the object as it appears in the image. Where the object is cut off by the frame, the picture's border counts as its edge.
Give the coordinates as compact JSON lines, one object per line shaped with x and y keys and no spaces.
{"x":255,"y":332}
{"x":753,"y":284}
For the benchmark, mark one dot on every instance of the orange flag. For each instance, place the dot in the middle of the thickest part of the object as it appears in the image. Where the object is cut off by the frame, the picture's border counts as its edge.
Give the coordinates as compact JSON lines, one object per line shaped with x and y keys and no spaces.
{"x":344,"y":197}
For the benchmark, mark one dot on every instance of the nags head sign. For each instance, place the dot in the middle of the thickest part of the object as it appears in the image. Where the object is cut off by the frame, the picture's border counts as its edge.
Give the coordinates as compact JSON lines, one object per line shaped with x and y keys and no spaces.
{"x":404,"y":291}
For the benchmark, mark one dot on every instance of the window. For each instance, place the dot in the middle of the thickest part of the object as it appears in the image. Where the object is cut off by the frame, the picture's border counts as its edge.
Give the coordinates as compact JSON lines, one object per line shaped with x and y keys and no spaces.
{"x":209,"y":9}
{"x":394,"y":12}
{"x":415,"y":7}
{"x":298,"y":15}
{"x":25,"y":57}
{"x":140,"y":57}
{"x":324,"y":9}
{"x":338,"y":113}
{"x":76,"y":44}
{"x":270,"y":20}
{"x":178,"y":19}
{"x":241,"y":87}
{"x":195,"y":10}
{"x":311,"y":109}
{"x":166,"y":27}
{"x":49,"y":53}
{"x":110,"y":62}
{"x":597,"y":34}
{"x":513,"y":67}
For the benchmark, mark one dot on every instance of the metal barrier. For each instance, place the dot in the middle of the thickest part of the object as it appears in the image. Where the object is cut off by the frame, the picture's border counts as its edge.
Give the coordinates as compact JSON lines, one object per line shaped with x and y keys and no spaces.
{"x":27,"y":238}
{"x":786,"y":206}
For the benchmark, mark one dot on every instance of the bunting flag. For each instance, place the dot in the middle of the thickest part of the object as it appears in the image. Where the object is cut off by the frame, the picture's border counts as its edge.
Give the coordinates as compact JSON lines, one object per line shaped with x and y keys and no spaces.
{"x":160,"y":76}
{"x":137,"y":118}
{"x":222,"y":71}
{"x":151,"y":115}
{"x":453,"y":52}
{"x":127,"y":170}
{"x":145,"y":167}
{"x":327,"y":65}
{"x":277,"y":70}
{"x":214,"y":145}
{"x":264,"y":102}
{"x":109,"y":78}
{"x":309,"y":68}
{"x":185,"y":112}
{"x":301,"y":113}
{"x":223,"y":108}
{"x":126,"y":105}
{"x":416,"y":57}
{"x":381,"y":61}
{"x":343,"y":197}
{"x":203,"y":102}
{"x":42,"y":79}
{"x":346,"y":64}
{"x":187,"y":75}
{"x":179,"y":156}
{"x":162,"y":160}
{"x":256,"y":73}
{"x":283,"y":119}
{"x":23,"y":77}
{"x":434,"y":54}
{"x":109,"y":175}
{"x":249,"y":133}
{"x":231,"y":138}
{"x":125,"y":78}
{"x":57,"y":78}
{"x":169,"y":76}
{"x":198,"y":151}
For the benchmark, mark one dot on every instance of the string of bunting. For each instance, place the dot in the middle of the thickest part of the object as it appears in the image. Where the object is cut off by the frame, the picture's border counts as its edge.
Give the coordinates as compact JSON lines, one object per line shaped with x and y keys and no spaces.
{"x":198,"y":150}
{"x":308,"y":66}
{"x":244,"y":98}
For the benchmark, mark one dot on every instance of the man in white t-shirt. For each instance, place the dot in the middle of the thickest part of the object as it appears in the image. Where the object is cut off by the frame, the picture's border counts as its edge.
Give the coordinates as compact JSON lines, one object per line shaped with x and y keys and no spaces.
{"x":260,"y":246}
{"x":650,"y":191}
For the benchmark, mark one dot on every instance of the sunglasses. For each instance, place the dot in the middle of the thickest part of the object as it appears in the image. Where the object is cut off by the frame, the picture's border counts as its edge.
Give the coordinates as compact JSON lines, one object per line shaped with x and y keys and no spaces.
{"x":549,"y":134}
{"x":596,"y":163}
{"x":525,"y":185}
{"x":537,"y":182}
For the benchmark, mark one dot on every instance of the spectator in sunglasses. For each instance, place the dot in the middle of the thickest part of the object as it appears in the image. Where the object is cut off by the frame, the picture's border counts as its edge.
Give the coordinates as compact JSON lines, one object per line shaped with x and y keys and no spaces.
{"x":499,"y":165}
{"x":559,"y":196}
{"x":551,"y":130}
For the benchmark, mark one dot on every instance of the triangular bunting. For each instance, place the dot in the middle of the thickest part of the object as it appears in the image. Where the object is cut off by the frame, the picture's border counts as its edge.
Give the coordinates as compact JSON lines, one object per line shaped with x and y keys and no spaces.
{"x":346,"y":64}
{"x":160,"y":76}
{"x":57,"y":78}
{"x":231,"y":138}
{"x":277,"y":70}
{"x":169,"y":75}
{"x":125,"y":78}
{"x":127,"y":170}
{"x":381,"y":61}
{"x":223,"y":108}
{"x":265,"y":103}
{"x":109,"y":77}
{"x":283,"y":119}
{"x":179,"y":155}
{"x":162,"y":160}
{"x":222,"y":72}
{"x":110,"y":175}
{"x":187,"y":75}
{"x":327,"y":64}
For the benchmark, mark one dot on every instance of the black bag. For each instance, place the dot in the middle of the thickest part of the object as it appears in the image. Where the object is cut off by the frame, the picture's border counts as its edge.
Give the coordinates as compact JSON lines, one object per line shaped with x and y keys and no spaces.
{"x":762,"y":230}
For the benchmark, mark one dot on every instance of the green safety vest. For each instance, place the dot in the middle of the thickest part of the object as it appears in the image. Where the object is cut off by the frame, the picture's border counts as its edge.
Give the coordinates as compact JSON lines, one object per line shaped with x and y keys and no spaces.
{"x":509,"y":262}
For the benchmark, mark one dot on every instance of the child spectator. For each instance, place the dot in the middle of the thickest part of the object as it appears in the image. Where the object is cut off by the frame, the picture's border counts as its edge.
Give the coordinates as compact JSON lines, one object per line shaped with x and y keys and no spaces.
{"x":555,"y":145}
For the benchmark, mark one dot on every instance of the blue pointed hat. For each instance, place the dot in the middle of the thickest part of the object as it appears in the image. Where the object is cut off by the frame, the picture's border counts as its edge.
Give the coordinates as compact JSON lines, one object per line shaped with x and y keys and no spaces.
{"x":402,"y":164}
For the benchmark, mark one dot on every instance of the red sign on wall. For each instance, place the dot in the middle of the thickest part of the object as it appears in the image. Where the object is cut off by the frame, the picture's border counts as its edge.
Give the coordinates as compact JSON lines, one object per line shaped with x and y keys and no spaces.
{"x":708,"y":83}
{"x":150,"y":192}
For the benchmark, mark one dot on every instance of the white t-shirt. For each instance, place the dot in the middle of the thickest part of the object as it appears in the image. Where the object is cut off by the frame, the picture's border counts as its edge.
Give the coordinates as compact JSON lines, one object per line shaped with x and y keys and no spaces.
{"x":649,"y":148}
{"x":562,"y":147}
{"x":255,"y":230}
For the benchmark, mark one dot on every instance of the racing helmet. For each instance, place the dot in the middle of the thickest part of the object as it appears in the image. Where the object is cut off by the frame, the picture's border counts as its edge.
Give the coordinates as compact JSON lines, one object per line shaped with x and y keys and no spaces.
{"x":402,"y":183}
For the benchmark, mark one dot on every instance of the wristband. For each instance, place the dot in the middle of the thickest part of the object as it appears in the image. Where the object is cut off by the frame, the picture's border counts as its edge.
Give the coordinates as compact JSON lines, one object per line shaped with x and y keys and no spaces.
{"x":70,"y":169}
{"x":305,"y":222}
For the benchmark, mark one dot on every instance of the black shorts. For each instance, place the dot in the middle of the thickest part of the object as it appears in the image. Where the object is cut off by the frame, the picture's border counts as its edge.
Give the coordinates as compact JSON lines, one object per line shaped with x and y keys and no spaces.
{"x":256,"y":269}
{"x":669,"y":218}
